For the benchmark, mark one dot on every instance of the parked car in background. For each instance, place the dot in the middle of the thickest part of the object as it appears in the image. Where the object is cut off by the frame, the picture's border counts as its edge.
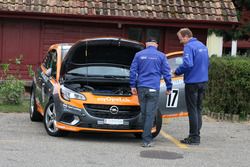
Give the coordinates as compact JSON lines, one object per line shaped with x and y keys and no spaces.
{"x":85,"y":87}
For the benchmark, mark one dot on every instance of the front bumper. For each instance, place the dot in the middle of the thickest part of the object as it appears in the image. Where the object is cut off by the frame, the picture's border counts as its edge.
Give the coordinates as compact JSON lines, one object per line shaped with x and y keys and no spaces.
{"x":84,"y":120}
{"x":66,"y":127}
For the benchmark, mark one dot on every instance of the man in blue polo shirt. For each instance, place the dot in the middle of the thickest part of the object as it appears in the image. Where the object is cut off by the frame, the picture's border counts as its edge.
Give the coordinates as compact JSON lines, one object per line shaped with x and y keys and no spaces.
{"x":195,"y":69}
{"x":146,"y":70}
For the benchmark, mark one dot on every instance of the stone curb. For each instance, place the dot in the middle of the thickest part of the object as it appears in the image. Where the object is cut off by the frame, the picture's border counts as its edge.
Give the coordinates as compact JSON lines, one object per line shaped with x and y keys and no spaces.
{"x":225,"y":117}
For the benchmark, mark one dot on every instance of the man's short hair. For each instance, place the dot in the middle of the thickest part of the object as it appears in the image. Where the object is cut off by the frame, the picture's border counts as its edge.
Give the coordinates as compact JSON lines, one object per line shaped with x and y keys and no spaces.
{"x":185,"y":32}
{"x":152,"y":39}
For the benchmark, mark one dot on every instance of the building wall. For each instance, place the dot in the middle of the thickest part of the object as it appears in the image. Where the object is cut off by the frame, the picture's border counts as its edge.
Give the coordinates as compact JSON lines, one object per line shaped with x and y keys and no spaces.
{"x":59,"y":32}
{"x":172,"y":42}
{"x":1,"y":39}
{"x":32,"y":38}
{"x":19,"y":38}
{"x":215,"y":45}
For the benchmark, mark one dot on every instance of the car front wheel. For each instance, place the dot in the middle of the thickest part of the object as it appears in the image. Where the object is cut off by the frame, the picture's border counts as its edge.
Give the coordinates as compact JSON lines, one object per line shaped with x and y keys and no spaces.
{"x":50,"y":121}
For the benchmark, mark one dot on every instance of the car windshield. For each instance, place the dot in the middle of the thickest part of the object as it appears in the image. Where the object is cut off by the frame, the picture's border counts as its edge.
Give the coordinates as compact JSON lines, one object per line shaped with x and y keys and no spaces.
{"x":103,"y":71}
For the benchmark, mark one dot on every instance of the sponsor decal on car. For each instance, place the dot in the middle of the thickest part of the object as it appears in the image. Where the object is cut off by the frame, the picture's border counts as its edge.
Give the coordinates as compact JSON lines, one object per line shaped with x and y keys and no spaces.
{"x":112,"y":99}
{"x":172,"y":99}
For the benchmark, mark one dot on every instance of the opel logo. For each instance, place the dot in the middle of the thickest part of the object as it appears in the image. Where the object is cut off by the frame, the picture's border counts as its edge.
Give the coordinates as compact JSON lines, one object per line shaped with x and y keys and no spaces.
{"x":114,"y":109}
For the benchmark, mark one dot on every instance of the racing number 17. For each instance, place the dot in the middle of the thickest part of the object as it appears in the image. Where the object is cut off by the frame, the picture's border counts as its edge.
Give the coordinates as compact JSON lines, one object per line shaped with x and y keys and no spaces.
{"x":172,"y":99}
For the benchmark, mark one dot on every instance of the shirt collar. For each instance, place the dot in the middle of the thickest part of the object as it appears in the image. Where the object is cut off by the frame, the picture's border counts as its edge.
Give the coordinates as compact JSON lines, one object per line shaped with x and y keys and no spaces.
{"x":191,"y":40}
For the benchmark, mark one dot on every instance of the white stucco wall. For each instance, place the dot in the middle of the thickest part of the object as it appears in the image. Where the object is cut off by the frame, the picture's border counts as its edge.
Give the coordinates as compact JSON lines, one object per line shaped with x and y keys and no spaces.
{"x":215,"y":45}
{"x":234,"y":48}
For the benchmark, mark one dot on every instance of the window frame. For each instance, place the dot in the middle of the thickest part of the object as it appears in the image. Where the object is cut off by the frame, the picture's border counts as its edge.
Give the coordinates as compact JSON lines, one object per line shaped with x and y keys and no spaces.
{"x":144,"y":34}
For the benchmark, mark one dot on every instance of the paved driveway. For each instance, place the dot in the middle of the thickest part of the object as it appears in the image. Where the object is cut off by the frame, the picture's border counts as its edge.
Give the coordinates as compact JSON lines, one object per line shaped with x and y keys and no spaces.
{"x":26,"y":144}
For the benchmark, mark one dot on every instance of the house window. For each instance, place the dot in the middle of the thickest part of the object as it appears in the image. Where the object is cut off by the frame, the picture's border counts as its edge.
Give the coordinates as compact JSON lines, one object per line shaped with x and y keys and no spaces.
{"x":141,"y":34}
{"x":154,"y":33}
{"x":135,"y":34}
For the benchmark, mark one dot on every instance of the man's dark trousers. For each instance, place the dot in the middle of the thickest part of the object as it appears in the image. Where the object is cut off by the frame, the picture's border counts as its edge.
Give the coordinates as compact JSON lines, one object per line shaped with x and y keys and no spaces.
{"x":194,"y":94}
{"x":148,"y":100}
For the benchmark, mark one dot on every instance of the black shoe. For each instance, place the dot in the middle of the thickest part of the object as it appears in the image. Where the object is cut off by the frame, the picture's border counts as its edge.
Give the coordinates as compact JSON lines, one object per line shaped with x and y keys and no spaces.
{"x":190,"y":141}
{"x":150,"y":144}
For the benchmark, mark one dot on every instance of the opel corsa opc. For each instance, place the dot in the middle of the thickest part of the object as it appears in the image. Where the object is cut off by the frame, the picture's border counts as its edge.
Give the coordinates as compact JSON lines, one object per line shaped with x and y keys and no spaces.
{"x":85,"y":87}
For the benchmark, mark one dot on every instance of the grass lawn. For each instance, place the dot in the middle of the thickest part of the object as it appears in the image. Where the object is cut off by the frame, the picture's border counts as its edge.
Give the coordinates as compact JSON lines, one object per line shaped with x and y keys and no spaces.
{"x":24,"y":107}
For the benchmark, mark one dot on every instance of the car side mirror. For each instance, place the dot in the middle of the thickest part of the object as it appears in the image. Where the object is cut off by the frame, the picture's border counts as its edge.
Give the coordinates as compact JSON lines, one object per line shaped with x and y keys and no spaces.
{"x":48,"y":72}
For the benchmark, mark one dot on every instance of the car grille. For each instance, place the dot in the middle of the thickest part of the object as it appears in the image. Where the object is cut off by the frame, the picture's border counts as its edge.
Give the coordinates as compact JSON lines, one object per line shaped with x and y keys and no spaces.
{"x":103,"y":111}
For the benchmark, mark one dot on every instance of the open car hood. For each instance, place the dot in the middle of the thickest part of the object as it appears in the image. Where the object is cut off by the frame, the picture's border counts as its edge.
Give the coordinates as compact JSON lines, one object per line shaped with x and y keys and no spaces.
{"x":100,"y":50}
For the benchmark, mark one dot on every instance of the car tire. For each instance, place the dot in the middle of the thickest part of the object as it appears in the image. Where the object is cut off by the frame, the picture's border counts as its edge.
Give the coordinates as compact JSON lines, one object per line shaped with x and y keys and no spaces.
{"x":157,"y":124}
{"x":49,"y":121}
{"x":35,"y":116}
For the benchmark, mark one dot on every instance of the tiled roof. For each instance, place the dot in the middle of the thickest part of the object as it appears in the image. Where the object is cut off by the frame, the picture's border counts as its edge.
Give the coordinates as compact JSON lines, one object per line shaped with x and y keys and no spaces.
{"x":214,"y":10}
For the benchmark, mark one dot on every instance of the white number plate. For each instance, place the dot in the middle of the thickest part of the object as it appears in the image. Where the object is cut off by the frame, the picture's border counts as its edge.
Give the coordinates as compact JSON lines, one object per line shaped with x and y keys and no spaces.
{"x":113,"y":121}
{"x":172,"y":99}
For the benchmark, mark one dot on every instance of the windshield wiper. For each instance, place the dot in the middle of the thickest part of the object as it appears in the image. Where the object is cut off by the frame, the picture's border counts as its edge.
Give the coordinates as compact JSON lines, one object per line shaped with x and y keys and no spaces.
{"x":115,"y":76}
{"x":76,"y":74}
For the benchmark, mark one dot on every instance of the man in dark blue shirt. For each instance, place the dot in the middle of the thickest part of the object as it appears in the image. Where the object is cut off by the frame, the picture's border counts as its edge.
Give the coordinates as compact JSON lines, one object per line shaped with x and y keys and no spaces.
{"x":195,"y":69}
{"x":146,"y":70}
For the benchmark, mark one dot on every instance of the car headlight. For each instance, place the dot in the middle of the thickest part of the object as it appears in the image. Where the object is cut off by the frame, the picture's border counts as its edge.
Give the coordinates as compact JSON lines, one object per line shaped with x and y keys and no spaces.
{"x":68,"y":94}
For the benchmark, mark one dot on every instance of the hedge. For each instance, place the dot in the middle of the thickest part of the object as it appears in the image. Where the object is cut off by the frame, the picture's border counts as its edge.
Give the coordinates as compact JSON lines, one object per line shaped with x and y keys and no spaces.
{"x":229,"y":86}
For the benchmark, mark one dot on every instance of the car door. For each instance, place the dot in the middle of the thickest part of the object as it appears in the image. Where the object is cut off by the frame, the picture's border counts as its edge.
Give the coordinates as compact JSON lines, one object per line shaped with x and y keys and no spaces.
{"x":45,"y":78}
{"x":173,"y":104}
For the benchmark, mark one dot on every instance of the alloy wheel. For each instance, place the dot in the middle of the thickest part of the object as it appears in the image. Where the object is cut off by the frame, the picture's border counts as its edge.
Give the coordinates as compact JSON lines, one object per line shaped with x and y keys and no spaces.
{"x":50,"y":118}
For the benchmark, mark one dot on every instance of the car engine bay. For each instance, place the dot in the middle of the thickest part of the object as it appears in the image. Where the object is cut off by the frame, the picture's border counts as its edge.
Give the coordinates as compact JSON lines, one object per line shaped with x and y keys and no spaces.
{"x":101,"y":87}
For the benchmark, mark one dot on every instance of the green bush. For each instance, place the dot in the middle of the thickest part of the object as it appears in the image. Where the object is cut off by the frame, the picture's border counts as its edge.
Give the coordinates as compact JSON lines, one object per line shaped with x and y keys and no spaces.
{"x":11,"y":90}
{"x":30,"y":71}
{"x":229,"y":86}
{"x":11,"y":86}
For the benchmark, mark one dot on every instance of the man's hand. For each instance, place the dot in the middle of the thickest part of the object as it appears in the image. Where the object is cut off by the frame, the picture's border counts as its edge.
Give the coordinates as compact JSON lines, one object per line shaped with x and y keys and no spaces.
{"x":168,"y":92}
{"x":134,"y":91}
{"x":173,"y":74}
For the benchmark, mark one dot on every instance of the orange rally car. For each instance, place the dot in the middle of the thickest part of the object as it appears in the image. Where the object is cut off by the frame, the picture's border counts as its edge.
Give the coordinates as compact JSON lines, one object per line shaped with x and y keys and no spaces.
{"x":85,"y":87}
